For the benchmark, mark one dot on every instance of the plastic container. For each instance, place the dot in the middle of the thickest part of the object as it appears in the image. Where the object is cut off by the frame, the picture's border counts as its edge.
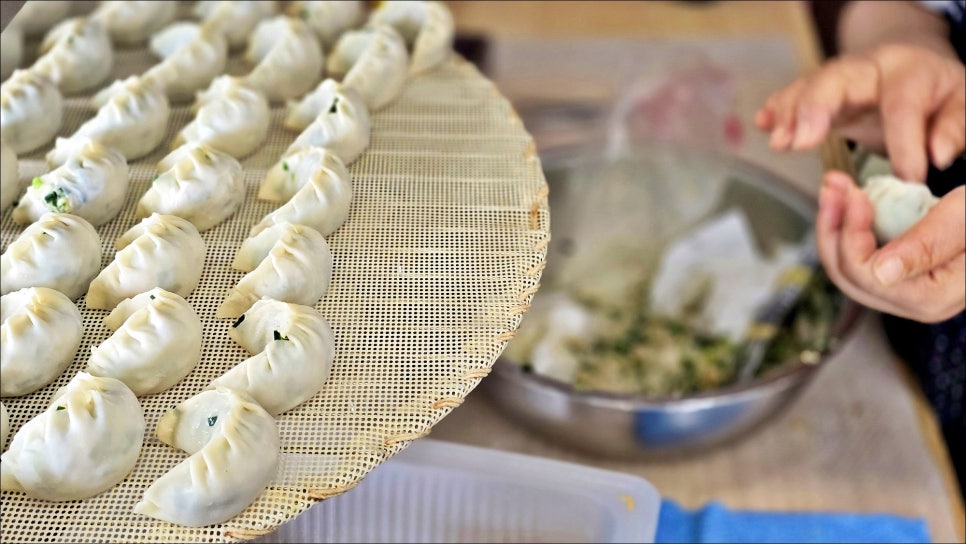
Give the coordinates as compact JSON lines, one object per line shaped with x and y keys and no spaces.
{"x":442,"y":492}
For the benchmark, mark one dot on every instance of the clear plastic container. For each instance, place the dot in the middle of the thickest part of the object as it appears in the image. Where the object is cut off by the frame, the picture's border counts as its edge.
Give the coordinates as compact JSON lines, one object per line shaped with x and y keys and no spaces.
{"x":443,"y":492}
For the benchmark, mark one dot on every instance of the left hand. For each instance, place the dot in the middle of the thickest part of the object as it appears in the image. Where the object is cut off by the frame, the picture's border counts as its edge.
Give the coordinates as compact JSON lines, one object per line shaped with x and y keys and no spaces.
{"x":920,"y":275}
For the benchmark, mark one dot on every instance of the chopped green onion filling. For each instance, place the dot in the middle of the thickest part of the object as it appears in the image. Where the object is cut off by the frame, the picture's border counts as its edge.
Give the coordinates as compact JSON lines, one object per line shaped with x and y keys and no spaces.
{"x":278,"y":336}
{"x":285,"y":166}
{"x":152,"y":297}
{"x":212,"y":420}
{"x":59,"y":408}
{"x":335,"y":101}
{"x":37,"y":182}
{"x":238,"y":321}
{"x":57,"y":200}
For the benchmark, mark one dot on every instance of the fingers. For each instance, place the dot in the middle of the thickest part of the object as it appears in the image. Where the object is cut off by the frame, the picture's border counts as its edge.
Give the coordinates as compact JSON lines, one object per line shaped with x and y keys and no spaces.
{"x":947,"y":131}
{"x":905,"y":108}
{"x":938,"y":237}
{"x":845,"y":84}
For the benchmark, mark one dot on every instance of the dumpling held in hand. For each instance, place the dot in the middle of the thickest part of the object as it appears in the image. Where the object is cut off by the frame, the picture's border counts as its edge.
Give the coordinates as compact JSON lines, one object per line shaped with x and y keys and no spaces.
{"x":898,"y":205}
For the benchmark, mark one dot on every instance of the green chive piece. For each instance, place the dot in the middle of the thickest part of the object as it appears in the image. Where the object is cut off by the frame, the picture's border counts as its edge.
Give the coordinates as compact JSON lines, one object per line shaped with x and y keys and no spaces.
{"x":238,"y":321}
{"x":212,"y":420}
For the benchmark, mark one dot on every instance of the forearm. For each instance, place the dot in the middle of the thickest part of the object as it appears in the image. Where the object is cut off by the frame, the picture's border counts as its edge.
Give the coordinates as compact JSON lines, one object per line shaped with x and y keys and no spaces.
{"x":867,"y":24}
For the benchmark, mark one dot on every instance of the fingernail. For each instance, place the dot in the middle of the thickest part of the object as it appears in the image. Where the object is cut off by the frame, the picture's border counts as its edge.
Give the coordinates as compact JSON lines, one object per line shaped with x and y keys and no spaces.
{"x":889,"y":270}
{"x":943,"y":154}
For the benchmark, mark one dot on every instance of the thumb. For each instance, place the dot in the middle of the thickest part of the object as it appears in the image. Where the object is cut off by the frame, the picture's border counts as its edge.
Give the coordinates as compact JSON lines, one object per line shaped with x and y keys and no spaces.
{"x":938,"y":237}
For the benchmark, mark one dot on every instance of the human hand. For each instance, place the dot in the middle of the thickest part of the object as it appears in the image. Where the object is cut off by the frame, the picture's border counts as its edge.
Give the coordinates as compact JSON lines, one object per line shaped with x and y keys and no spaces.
{"x":906,"y":99}
{"x":920,"y":275}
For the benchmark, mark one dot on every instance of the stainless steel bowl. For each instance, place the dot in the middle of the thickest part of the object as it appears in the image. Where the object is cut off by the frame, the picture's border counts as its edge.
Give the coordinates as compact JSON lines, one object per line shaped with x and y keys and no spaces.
{"x":633,"y":426}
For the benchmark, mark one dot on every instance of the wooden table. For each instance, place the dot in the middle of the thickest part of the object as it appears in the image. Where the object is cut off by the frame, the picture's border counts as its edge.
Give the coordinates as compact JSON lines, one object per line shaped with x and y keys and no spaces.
{"x":827,"y":452}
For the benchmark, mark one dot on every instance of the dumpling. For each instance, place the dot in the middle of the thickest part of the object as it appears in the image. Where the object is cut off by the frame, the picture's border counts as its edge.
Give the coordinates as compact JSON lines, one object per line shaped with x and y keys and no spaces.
{"x":322,"y":202}
{"x":328,"y":18}
{"x":85,"y":443}
{"x":4,"y":427}
{"x":229,"y":116}
{"x":36,"y":17}
{"x":131,"y":22}
{"x":339,"y":122}
{"x":163,"y":251}
{"x":60,"y":251}
{"x":193,"y":56}
{"x":297,"y":269}
{"x":10,"y":186}
{"x":234,"y":447}
{"x":132,"y":118}
{"x":156,"y":342}
{"x":287,"y":58}
{"x":294,"y":349}
{"x":41,"y":332}
{"x":373,"y":61}
{"x":898,"y":205}
{"x":31,"y":111}
{"x":205,"y":186}
{"x":76,"y":55}
{"x":91,"y":184}
{"x":427,"y":28}
{"x":11,"y":50}
{"x":293,"y":172}
{"x":235,"y":19}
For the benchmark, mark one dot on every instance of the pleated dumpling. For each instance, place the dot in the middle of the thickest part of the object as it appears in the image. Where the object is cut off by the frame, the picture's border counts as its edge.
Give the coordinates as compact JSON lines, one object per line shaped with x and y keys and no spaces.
{"x":10,"y":185}
{"x":229,"y":116}
{"x":328,"y":18}
{"x":898,"y":205}
{"x":132,"y":22}
{"x":427,"y":27}
{"x":11,"y":50}
{"x":337,"y":119}
{"x":92,"y":183}
{"x":156,"y":342}
{"x":234,"y":447}
{"x":37,"y":17}
{"x":236,"y":19}
{"x":298,"y":269}
{"x":76,"y":55}
{"x":60,"y":251}
{"x":322,"y":201}
{"x":293,"y":349}
{"x":163,"y":251}
{"x":205,"y":186}
{"x":32,"y":110}
{"x":192,"y":57}
{"x":83,"y":444}
{"x":132,"y":117}
{"x":373,"y":61}
{"x":40,"y":334}
{"x":287,"y":59}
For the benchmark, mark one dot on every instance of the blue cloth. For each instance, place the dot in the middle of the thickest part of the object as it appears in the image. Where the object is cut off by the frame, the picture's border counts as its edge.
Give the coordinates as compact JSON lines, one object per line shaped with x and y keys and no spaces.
{"x":716,"y":523}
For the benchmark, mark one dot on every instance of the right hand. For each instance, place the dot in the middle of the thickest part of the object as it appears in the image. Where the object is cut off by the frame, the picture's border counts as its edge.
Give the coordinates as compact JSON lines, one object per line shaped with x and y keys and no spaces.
{"x":906,"y":99}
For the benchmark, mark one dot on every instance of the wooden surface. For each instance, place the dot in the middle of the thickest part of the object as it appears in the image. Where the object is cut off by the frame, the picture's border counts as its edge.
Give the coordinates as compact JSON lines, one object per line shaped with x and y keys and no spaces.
{"x":478,"y":423}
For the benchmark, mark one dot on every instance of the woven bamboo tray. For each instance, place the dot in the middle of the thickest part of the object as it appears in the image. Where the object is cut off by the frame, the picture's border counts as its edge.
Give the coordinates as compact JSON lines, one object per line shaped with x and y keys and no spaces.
{"x":434,"y":268}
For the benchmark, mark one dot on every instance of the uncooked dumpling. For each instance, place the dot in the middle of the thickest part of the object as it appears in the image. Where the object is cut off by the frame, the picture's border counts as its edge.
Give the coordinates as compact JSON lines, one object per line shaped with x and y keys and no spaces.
{"x":236,"y":19}
{"x":205,"y":186}
{"x":427,"y":28}
{"x":32,"y":110}
{"x":10,"y":185}
{"x":321,"y":203}
{"x":76,"y":55}
{"x":192,"y":57}
{"x":131,"y":22}
{"x":293,"y":349}
{"x":83,"y":444}
{"x":156,"y":342}
{"x":92,"y":183}
{"x":60,"y":251}
{"x":132,"y":117}
{"x":229,"y":116}
{"x":373,"y":61}
{"x":40,"y":334}
{"x":161,"y":251}
{"x":234,"y":447}
{"x":297,"y":269}
{"x":898,"y":205}
{"x":287,"y":59}
{"x":328,"y":18}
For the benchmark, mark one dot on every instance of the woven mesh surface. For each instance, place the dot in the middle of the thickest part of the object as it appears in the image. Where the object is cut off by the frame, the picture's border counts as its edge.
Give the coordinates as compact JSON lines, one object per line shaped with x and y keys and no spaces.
{"x":434,"y":268}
